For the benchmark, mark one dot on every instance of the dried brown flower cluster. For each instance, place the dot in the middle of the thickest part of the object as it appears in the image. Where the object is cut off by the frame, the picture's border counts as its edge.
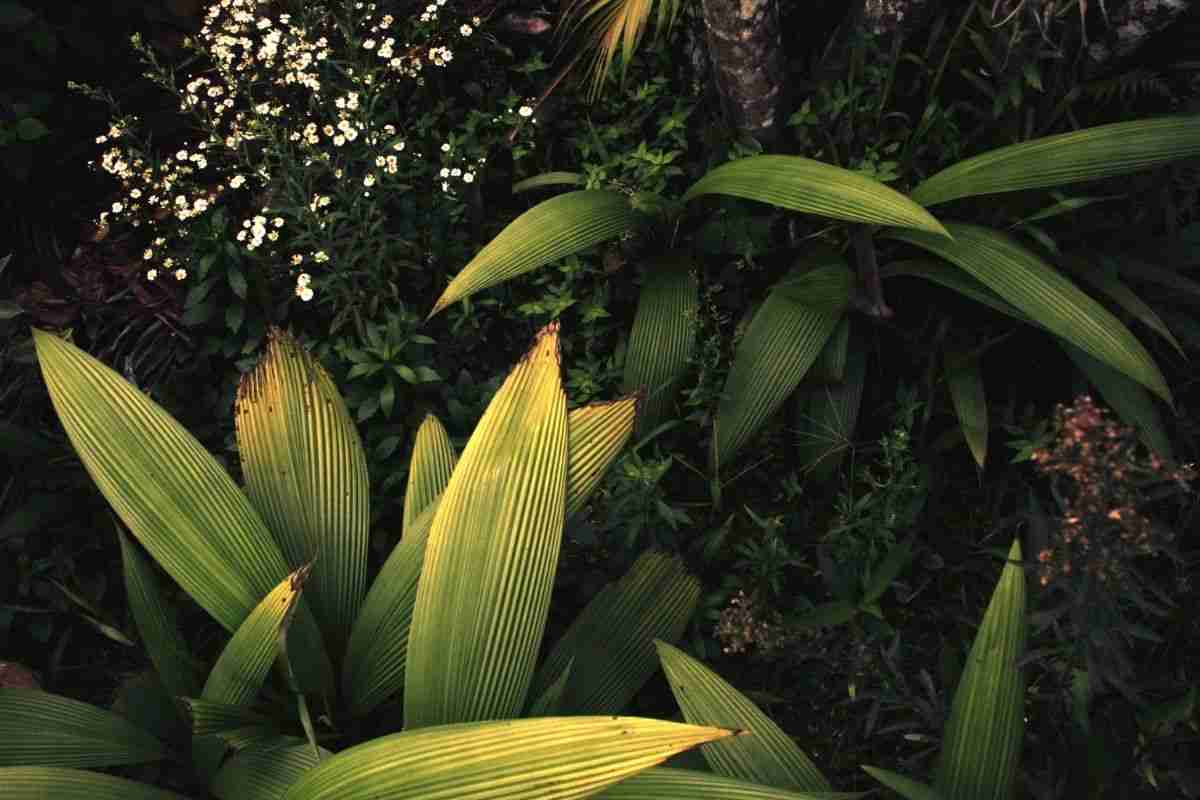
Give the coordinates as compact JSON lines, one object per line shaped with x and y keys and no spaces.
{"x":742,"y":627}
{"x":1098,"y":473}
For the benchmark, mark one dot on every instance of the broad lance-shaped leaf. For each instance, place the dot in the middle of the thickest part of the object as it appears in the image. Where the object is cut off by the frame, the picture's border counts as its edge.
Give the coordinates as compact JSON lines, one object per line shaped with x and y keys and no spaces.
{"x":830,"y":366}
{"x":952,"y":277}
{"x":306,"y":473}
{"x":549,"y":179}
{"x":547,"y":757}
{"x":610,"y":646}
{"x":981,"y":744}
{"x":39,"y":783}
{"x":782,"y":341}
{"x":376,"y":656}
{"x":429,"y":470}
{"x":174,"y":497}
{"x":663,"y":334}
{"x":46,"y":730}
{"x":1133,"y":403}
{"x":767,"y":755}
{"x":264,"y":772}
{"x":242,"y":667}
{"x":159,"y":629}
{"x":547,"y":232}
{"x":670,"y":783}
{"x":1122,"y":295}
{"x":492,"y":552}
{"x":1089,"y":154}
{"x":1044,"y":294}
{"x":801,"y":184}
{"x":970,"y":404}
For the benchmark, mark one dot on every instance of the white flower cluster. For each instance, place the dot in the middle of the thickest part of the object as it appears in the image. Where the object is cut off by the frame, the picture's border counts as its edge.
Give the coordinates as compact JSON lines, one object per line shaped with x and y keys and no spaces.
{"x":303,"y":289}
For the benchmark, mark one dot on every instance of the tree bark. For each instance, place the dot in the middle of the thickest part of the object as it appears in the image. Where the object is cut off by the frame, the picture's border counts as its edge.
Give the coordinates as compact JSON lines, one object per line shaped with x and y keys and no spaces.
{"x":746,"y":52}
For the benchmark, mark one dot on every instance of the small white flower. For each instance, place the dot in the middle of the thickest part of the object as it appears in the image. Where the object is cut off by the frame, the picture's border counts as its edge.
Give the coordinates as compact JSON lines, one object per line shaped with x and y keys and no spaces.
{"x":525,"y":111}
{"x":182,"y":155}
{"x":445,"y":147}
{"x":368,"y":44}
{"x":304,"y":293}
{"x":398,"y":146}
{"x":117,"y":208}
{"x":277,"y":222}
{"x":320,"y":256}
{"x":151,"y":274}
{"x":468,"y":177}
{"x":148,"y":254}
{"x":236,"y":181}
{"x":466,"y":30}
{"x":297,"y":259}
{"x":369,"y":180}
{"x":303,"y":279}
{"x":445,"y":173}
{"x":180,"y":274}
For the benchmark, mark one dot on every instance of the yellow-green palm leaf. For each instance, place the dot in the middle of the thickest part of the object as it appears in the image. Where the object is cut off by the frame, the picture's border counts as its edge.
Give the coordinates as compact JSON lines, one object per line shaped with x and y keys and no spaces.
{"x":812,"y":187}
{"x":47,"y":730}
{"x":549,"y":758}
{"x":1099,"y":152}
{"x":60,"y":783}
{"x":429,"y":471}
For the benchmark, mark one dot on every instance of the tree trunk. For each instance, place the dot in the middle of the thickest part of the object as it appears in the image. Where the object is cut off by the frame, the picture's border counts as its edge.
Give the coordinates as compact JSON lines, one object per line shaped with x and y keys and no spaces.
{"x":746,"y":52}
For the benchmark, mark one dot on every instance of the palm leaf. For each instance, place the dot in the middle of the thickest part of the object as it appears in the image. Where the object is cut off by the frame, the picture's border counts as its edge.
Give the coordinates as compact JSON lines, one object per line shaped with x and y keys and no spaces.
{"x":767,"y":756}
{"x":982,"y":741}
{"x":549,"y":179}
{"x":491,"y":555}
{"x":264,"y":772}
{"x":1031,"y":285}
{"x":782,"y":341}
{"x":306,"y":472}
{"x":669,"y":783}
{"x":553,"y":758}
{"x":39,"y":729}
{"x":429,"y":470}
{"x":40,"y":783}
{"x":552,"y":229}
{"x":965,"y":381}
{"x":1085,"y":155}
{"x":610,"y":646}
{"x":801,"y":184}
{"x":906,"y":787}
{"x":170,"y":492}
{"x":379,"y":644}
{"x":663,"y":335}
{"x":159,"y":631}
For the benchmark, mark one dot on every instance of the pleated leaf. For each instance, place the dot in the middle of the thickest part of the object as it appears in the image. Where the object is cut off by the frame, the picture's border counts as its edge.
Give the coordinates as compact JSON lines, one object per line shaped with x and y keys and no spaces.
{"x":243,"y":665}
{"x":209,"y":717}
{"x":670,"y":783}
{"x":596,"y":434}
{"x":1125,"y":297}
{"x":906,"y":787}
{"x":767,"y":755}
{"x":549,"y":758}
{"x":782,"y":341}
{"x":547,"y":703}
{"x":493,"y":546}
{"x":1132,"y":403}
{"x":952,"y":277}
{"x":547,"y":232}
{"x":549,"y":179}
{"x":965,"y":381}
{"x":830,"y":366}
{"x":801,"y":184}
{"x":433,"y":460}
{"x":46,"y":730}
{"x":167,"y":489}
{"x":981,"y":744}
{"x":1089,"y":154}
{"x":306,"y":473}
{"x":663,"y":335}
{"x":378,"y":649}
{"x":264,"y":772}
{"x":610,"y":646}
{"x":828,"y":414}
{"x":1020,"y":277}
{"x":59,"y":783}
{"x":164,"y":643}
